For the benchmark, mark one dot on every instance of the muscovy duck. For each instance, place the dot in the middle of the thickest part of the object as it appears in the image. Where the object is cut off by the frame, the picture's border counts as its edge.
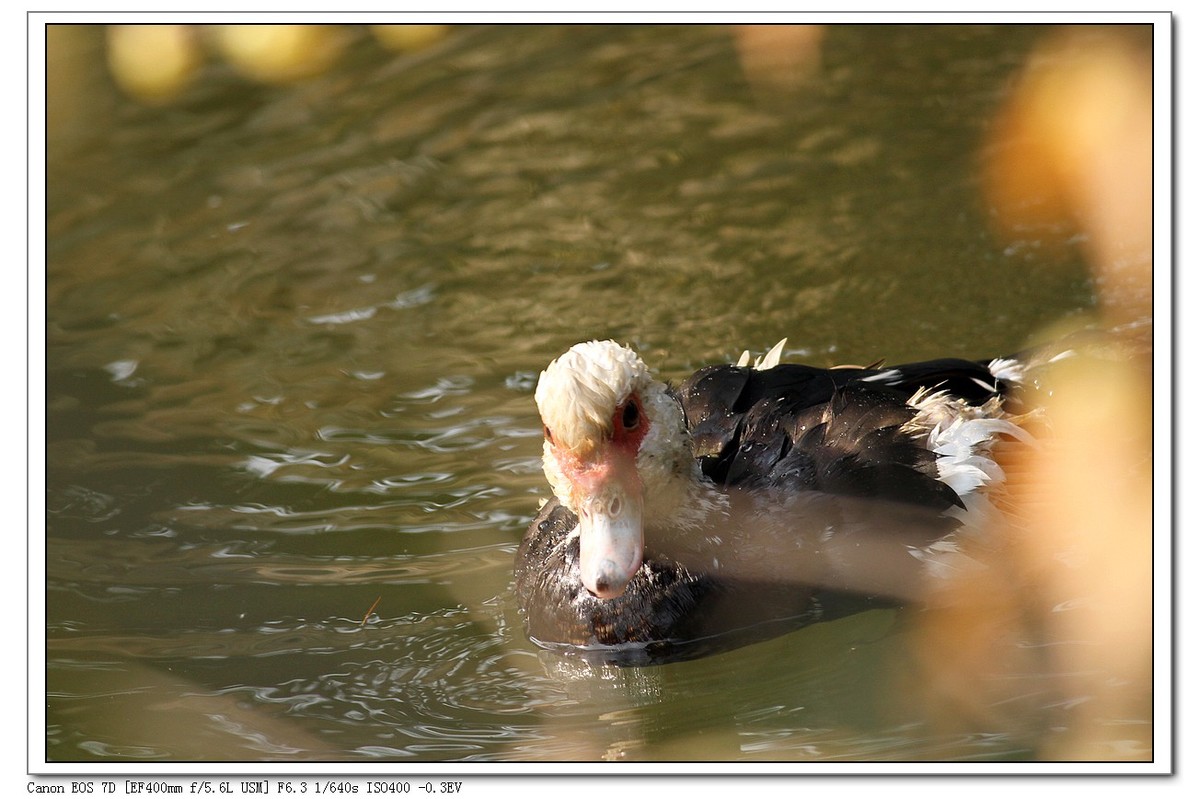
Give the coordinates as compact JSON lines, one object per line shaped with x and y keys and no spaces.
{"x":750,"y":500}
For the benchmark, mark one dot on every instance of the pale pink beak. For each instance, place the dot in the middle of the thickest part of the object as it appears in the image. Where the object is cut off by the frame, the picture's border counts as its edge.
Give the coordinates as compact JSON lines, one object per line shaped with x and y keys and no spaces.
{"x":609,"y":501}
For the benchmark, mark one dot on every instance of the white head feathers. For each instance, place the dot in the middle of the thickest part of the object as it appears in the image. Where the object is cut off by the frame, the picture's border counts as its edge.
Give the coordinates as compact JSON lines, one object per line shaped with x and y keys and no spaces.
{"x":578,"y":392}
{"x":577,"y":396}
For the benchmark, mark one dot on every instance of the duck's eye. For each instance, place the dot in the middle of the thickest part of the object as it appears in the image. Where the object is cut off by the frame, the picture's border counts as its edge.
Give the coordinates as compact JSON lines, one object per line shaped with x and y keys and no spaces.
{"x":546,"y":432}
{"x":630,"y":415}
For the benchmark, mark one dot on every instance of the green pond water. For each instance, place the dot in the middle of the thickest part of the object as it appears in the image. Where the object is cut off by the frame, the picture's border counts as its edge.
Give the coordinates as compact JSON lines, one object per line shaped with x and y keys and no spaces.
{"x":291,"y":342}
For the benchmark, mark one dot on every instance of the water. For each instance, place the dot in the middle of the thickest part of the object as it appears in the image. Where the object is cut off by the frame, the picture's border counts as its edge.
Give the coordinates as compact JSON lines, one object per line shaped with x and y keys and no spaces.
{"x":292,"y":336}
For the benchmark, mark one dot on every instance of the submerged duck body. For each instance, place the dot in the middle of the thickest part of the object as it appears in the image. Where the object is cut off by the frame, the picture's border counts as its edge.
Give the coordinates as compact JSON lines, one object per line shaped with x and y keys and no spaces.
{"x":750,"y":500}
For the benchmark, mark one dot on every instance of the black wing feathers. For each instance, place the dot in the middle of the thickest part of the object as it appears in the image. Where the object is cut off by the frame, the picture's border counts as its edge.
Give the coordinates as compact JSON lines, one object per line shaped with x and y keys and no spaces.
{"x":834,"y":430}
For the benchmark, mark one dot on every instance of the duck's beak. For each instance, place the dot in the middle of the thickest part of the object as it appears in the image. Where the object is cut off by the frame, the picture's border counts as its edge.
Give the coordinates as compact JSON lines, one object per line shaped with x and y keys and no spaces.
{"x":609,"y":498}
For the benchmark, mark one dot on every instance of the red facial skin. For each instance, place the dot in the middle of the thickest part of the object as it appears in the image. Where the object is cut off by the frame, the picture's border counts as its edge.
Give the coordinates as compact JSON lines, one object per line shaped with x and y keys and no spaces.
{"x":606,"y":492}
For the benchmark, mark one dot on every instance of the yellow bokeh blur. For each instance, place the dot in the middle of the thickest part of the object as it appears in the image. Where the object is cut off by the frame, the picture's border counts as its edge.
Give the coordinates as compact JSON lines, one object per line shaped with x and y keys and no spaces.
{"x":153,"y":62}
{"x":404,"y":38}
{"x":279,"y":53}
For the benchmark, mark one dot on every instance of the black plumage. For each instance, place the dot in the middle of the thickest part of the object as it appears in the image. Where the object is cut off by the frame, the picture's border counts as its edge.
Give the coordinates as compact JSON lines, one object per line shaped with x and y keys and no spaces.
{"x":833,"y":430}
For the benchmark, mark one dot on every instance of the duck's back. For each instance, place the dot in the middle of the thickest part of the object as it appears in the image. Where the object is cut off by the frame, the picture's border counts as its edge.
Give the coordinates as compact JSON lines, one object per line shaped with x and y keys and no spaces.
{"x":842,"y":431}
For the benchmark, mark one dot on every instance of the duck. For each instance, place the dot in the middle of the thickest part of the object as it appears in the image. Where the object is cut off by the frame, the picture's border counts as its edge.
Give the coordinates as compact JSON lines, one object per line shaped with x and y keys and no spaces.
{"x":750,"y":499}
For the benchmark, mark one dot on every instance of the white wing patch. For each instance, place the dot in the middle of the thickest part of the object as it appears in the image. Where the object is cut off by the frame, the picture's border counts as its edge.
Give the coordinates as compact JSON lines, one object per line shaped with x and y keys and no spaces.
{"x":962,"y":434}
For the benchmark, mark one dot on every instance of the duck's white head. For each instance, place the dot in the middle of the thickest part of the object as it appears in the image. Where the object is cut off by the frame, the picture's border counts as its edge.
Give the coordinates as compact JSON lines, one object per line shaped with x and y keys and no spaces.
{"x":617,"y":453}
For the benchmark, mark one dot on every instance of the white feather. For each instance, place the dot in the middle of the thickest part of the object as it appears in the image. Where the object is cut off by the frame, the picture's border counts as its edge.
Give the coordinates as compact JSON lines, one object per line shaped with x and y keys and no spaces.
{"x":884,"y":376}
{"x":767,"y":361}
{"x":771,"y":359}
{"x":1010,"y":370}
{"x":962,"y":434}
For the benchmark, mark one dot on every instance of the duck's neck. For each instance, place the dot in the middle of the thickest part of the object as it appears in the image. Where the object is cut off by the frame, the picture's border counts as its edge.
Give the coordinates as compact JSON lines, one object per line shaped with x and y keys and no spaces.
{"x":677,"y":496}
